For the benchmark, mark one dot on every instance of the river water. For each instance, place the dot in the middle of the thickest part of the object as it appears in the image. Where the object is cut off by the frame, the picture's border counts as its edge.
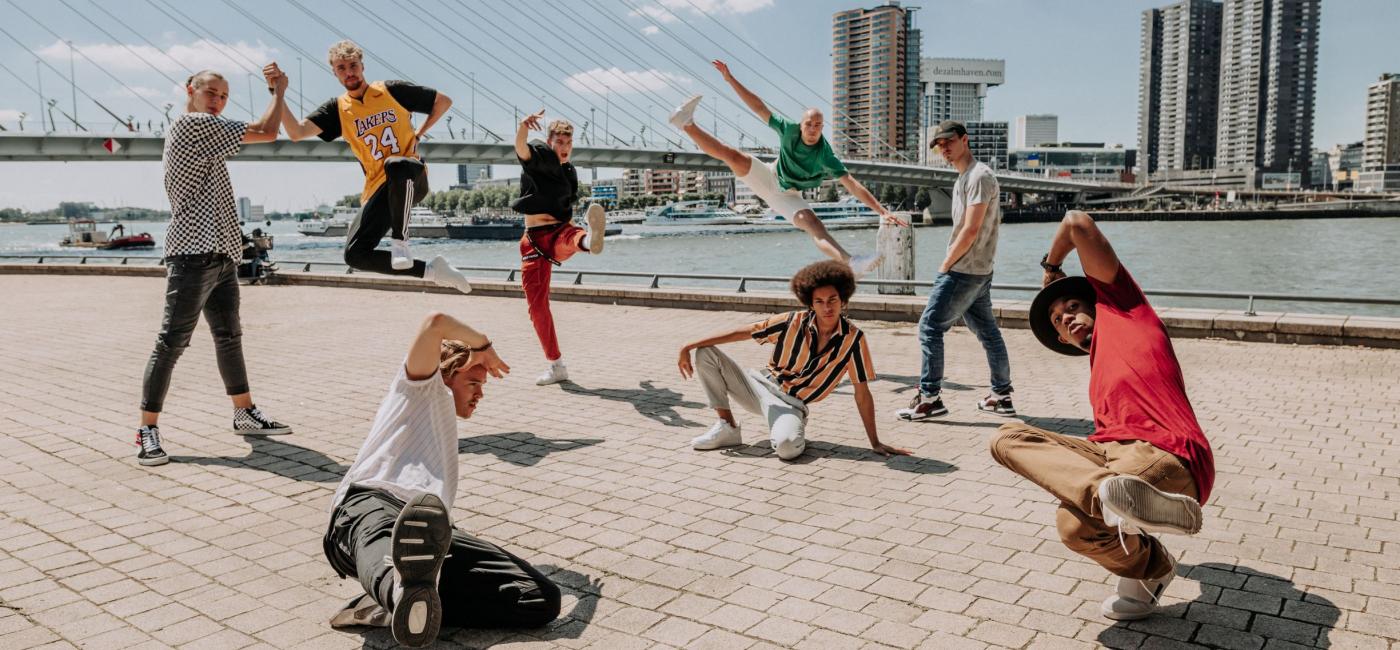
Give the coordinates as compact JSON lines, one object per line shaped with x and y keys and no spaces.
{"x":1334,"y":257}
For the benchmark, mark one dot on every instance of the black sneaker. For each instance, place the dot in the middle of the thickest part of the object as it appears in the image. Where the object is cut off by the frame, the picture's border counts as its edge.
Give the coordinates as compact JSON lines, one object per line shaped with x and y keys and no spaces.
{"x":421,"y":538}
{"x":148,"y":439}
{"x":252,"y":422}
{"x":923,"y":407}
{"x":997,"y":404}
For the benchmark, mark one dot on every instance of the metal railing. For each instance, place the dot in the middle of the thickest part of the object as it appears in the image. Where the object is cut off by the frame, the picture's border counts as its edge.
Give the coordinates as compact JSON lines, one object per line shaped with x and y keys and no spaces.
{"x":742,"y":281}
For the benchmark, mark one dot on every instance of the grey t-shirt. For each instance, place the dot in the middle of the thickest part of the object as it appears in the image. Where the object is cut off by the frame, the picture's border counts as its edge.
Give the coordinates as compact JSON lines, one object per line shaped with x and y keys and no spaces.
{"x":976,"y":186}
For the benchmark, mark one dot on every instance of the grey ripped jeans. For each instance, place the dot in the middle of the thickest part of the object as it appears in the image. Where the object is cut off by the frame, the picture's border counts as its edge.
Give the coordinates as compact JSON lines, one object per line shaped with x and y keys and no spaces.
{"x":206,"y":283}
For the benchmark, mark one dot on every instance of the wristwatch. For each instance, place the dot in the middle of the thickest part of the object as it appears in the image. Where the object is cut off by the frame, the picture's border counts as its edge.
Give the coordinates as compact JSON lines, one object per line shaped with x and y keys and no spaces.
{"x":1045,"y":264}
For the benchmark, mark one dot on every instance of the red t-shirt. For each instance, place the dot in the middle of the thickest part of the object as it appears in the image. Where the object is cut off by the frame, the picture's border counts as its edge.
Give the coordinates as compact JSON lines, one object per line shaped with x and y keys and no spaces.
{"x":1135,"y":383}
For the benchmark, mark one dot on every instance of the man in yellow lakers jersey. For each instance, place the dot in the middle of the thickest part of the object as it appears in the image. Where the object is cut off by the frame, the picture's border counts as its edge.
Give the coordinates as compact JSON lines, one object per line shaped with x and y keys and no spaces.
{"x":376,"y":120}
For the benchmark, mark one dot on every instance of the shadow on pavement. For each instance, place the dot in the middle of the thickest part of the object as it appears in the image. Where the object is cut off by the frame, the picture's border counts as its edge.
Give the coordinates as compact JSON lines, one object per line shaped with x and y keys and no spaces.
{"x":908,"y":383}
{"x":570,"y":624}
{"x":520,"y":448}
{"x":1238,"y":608}
{"x":275,"y":455}
{"x":819,"y":449}
{"x":1078,"y":427}
{"x":658,"y":404}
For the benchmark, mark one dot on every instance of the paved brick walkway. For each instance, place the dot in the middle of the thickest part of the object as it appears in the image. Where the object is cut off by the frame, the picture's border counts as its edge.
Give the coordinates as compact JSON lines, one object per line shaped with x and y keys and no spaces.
{"x":658,"y":545}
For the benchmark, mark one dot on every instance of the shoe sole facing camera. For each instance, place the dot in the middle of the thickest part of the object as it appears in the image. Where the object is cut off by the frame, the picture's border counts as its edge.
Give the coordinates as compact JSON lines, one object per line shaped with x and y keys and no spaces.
{"x":597,"y":226}
{"x":422,"y":535}
{"x":1148,"y":509}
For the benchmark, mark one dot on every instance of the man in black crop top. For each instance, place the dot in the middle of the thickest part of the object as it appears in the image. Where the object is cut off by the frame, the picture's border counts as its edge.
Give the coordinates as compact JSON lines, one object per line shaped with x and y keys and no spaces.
{"x":548,"y":190}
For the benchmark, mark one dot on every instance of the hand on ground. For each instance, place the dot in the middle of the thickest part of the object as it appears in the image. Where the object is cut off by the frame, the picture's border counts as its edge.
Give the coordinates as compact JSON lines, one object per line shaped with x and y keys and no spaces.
{"x":887,"y":451}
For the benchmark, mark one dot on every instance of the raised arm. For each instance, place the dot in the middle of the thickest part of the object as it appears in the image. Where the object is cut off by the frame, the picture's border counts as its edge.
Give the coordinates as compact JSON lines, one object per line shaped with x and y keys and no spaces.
{"x":425,"y":353}
{"x":751,"y":100}
{"x":296,"y":129}
{"x":522,"y":134}
{"x":265,"y":128}
{"x":1078,"y":232}
{"x":440,"y":106}
{"x":858,"y":190}
{"x":741,"y":333}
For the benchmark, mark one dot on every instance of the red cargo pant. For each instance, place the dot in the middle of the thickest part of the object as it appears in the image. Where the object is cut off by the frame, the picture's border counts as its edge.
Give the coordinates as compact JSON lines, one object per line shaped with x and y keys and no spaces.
{"x":541,"y":248}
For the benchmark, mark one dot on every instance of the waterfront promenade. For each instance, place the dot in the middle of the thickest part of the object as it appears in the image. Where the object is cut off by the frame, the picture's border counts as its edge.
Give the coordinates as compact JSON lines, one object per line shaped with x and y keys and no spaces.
{"x":657,"y":545}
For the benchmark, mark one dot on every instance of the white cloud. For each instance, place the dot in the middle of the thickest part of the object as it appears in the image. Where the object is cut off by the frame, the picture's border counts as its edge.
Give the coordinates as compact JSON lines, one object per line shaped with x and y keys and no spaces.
{"x":651,"y":30}
{"x":197,"y":55}
{"x":667,"y":11}
{"x":616,"y":80}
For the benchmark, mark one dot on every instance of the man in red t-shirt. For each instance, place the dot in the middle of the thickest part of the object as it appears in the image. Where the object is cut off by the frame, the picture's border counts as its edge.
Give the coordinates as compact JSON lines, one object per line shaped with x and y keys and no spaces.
{"x":1148,"y":466}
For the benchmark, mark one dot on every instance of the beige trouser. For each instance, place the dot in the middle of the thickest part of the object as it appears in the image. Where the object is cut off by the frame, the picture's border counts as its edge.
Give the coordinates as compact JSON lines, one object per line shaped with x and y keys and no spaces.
{"x":723,"y":379}
{"x":1071,"y":469}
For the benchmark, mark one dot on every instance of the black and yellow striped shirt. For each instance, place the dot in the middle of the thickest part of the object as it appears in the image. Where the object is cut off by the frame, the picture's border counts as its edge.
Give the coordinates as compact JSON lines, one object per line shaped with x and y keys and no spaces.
{"x":802,"y":370}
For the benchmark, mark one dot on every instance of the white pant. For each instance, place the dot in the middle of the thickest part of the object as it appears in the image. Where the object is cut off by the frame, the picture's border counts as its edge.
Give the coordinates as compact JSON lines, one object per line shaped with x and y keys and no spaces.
{"x":763,"y":180}
{"x":723,"y":379}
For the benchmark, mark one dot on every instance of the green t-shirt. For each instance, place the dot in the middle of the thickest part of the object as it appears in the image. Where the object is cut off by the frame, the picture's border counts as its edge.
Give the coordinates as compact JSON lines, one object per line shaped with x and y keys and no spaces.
{"x":800,"y":165}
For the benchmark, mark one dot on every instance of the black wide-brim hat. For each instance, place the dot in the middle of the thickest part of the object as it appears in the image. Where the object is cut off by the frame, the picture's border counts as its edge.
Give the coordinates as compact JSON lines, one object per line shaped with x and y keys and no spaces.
{"x":1074,"y":285}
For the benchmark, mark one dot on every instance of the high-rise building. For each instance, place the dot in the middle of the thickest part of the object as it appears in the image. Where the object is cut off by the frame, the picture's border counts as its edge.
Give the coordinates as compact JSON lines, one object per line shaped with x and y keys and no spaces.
{"x":987,"y":141}
{"x":469,"y":174}
{"x":1037,"y":130}
{"x":1382,"y":124}
{"x":875,"y":82}
{"x":1268,"y":79}
{"x":1179,"y":85}
{"x":953,"y":89}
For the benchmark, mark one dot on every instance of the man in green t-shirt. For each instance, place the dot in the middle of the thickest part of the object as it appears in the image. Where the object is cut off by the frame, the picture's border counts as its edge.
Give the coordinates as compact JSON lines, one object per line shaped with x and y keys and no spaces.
{"x":805,"y":159}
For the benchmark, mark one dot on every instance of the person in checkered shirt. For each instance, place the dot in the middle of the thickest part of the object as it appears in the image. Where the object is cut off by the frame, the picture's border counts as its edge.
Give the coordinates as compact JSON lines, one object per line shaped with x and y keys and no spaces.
{"x":202,"y":250}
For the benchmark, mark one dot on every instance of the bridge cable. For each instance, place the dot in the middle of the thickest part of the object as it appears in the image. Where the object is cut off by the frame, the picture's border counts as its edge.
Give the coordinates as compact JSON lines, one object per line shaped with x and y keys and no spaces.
{"x":775,"y":64}
{"x":639,"y":88}
{"x":725,"y":95}
{"x":85,"y":58}
{"x":581,"y":19}
{"x":547,"y":64}
{"x":138,"y":54}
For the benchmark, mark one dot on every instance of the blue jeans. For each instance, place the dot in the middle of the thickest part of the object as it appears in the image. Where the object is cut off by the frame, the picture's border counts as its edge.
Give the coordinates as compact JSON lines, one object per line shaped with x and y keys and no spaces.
{"x":967,"y":297}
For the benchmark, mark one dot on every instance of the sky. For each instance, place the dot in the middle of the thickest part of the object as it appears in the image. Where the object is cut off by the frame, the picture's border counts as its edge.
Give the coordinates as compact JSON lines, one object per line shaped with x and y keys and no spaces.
{"x":629,"y":61}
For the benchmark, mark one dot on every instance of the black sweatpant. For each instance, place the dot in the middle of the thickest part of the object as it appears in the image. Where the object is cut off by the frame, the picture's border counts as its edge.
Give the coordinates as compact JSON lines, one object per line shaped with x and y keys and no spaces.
{"x":383,"y":213}
{"x":205,"y":283}
{"x":481,"y":584}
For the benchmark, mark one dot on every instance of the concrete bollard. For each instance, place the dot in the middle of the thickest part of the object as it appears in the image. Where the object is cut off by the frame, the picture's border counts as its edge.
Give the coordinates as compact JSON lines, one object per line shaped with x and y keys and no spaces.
{"x":897,"y":243}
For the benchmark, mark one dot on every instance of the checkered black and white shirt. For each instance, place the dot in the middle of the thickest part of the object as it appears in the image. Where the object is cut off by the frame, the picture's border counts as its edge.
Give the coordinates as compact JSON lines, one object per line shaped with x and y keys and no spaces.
{"x":203,"y":215}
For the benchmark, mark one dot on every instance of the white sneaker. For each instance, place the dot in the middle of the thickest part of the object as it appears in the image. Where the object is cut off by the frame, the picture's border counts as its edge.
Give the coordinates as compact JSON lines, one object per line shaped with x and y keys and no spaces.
{"x":865,"y":263}
{"x":1137,"y":598}
{"x":400,"y":259}
{"x":442,"y":273}
{"x":597,"y":226}
{"x":722,"y":434}
{"x":1135,"y":506}
{"x":555,"y":374}
{"x":685,"y":115}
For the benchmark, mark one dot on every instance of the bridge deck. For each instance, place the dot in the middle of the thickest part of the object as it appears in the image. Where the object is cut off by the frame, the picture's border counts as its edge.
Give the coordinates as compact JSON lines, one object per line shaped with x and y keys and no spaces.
{"x":655,"y":544}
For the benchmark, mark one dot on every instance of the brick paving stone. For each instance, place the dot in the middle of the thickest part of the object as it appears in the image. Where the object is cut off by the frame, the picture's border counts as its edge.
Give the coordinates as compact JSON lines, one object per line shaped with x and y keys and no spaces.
{"x":668,"y":547}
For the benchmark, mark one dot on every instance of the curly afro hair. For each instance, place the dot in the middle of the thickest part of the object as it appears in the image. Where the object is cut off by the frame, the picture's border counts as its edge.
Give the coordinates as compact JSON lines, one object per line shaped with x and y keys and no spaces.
{"x":823,"y":274}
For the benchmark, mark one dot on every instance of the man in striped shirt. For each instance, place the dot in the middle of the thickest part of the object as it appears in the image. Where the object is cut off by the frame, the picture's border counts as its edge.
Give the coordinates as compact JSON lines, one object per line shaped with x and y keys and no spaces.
{"x":813,"y":350}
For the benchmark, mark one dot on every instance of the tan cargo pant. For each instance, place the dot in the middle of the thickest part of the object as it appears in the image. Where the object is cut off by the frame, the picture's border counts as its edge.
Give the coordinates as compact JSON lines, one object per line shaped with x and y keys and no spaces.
{"x":1071,"y":469}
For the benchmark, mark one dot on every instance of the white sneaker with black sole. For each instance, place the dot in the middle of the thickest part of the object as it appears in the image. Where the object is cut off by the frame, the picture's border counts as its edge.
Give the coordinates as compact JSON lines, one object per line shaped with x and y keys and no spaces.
{"x":923,"y":407}
{"x":148,"y":439}
{"x":252,"y":422}
{"x":421,"y":538}
{"x":997,"y":404}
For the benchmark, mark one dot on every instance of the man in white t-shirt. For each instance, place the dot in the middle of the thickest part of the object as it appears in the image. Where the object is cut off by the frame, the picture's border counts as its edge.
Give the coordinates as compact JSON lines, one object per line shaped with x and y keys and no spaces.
{"x":391,"y":524}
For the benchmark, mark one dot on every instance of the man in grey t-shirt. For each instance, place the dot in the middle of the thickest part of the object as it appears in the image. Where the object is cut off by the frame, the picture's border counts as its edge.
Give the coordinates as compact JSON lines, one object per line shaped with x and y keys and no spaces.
{"x":963,"y":288}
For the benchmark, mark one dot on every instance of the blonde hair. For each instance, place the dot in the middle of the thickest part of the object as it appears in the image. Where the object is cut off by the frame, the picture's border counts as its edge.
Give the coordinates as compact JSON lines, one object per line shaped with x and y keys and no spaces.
{"x":345,"y":50}
{"x":202,"y":78}
{"x":563,"y":127}
{"x":455,"y":356}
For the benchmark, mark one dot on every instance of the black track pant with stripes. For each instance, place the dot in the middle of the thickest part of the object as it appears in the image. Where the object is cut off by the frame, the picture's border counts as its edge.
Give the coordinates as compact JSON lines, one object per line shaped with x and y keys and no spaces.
{"x":386,"y":213}
{"x":481,"y":584}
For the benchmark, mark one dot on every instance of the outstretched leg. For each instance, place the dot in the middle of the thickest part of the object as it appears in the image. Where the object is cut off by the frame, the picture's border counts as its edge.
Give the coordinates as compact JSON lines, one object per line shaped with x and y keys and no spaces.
{"x":738,"y":161}
{"x":807,"y":221}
